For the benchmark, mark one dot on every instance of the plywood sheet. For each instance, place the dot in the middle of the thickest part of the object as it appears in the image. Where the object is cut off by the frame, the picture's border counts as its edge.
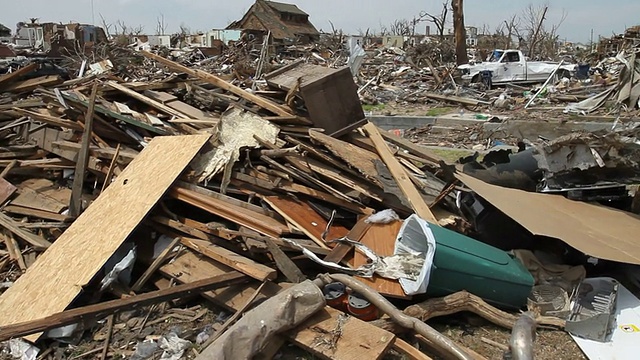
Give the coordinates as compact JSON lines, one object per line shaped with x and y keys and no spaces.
{"x":305,"y":219}
{"x":381,"y":239}
{"x":598,"y":231}
{"x":358,"y":340}
{"x":59,"y":275}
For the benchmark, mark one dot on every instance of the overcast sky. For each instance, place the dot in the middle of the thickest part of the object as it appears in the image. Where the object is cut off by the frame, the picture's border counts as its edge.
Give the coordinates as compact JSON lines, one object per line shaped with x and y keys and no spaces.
{"x":604,"y":17}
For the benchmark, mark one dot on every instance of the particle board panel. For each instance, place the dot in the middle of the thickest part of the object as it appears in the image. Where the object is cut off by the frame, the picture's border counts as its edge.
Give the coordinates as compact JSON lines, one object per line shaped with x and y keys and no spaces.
{"x":59,"y":275}
{"x":381,"y":239}
{"x":305,"y":219}
{"x":358,"y":340}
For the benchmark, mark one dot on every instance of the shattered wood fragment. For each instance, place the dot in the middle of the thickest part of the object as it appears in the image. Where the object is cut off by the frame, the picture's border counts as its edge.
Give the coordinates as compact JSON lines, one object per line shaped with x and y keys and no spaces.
{"x":101,"y":310}
{"x":288,"y":268}
{"x":32,"y":84}
{"x":13,"y":76}
{"x":14,"y":250}
{"x":332,"y":334}
{"x":54,"y":279}
{"x":36,"y":241}
{"x":409,"y":351}
{"x":355,"y":234}
{"x":151,"y":102}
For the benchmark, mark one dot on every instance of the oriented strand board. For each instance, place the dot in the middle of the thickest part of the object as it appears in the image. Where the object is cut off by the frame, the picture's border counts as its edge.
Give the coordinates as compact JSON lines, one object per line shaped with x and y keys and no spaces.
{"x":358,"y":340}
{"x":381,"y":239}
{"x":59,"y":275}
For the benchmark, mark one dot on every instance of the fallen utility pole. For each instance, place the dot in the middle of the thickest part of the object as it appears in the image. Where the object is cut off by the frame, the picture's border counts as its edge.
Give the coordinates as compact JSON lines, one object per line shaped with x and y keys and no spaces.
{"x":106,"y":308}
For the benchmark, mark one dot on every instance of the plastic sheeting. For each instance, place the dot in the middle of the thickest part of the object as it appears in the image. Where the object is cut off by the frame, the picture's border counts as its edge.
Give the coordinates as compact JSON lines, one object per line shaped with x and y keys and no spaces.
{"x":415,"y":238}
{"x":253,"y":331}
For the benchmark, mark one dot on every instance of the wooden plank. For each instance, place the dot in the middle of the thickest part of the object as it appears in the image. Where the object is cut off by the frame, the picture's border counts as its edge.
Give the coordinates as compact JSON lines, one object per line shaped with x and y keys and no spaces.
{"x":356,"y":233}
{"x":50,"y":120}
{"x":231,"y":200}
{"x":212,"y":79}
{"x":101,"y":310}
{"x":20,"y":210}
{"x":358,"y":339}
{"x":146,"y":100}
{"x":6,"y":190}
{"x":400,"y":175}
{"x":14,"y":250}
{"x":36,"y":241}
{"x":412,"y":148}
{"x":305,"y":218}
{"x":59,"y":275}
{"x":381,"y":239}
{"x":254,"y":221}
{"x":409,"y":351}
{"x":75,"y":205}
{"x":32,"y":84}
{"x":162,"y":257}
{"x":288,"y":268}
{"x":7,"y":78}
{"x":231,"y":259}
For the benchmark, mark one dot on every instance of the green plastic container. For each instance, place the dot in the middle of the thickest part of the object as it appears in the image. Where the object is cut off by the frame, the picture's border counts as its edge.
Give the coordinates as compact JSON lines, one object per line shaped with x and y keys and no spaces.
{"x":462,"y":263}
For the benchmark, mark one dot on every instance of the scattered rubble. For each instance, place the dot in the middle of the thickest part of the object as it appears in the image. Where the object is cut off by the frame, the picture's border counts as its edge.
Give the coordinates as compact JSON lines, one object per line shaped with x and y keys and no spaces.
{"x":222,"y":201}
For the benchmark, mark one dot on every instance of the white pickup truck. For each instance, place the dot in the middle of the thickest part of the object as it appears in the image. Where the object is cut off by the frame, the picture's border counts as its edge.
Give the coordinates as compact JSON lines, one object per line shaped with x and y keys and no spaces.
{"x":511,"y":66}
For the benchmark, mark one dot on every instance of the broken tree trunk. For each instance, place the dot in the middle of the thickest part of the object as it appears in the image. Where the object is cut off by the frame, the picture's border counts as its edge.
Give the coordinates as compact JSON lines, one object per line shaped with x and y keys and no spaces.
{"x":464,"y":301}
{"x":460,"y":32}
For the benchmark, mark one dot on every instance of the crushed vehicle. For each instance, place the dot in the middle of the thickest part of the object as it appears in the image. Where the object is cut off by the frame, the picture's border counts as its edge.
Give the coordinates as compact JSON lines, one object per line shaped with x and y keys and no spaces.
{"x":511,"y":66}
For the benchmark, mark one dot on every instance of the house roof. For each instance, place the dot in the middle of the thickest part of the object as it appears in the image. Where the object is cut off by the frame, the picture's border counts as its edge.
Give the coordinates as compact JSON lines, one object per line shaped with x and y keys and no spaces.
{"x":285,"y":8}
{"x":269,"y":19}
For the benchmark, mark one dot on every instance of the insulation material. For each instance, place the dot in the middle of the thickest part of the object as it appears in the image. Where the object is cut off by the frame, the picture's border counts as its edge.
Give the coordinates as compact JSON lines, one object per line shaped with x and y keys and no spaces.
{"x":253,"y":331}
{"x":383,"y":217}
{"x":235,"y":131}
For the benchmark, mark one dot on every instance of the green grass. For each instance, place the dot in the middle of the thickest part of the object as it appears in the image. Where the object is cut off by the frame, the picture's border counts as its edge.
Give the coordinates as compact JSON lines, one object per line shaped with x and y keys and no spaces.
{"x":439,"y":111}
{"x":377,"y":107}
{"x":452,"y":155}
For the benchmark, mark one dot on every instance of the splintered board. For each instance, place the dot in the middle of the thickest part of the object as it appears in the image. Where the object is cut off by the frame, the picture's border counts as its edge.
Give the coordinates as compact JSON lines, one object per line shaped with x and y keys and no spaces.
{"x":358,"y":339}
{"x":381,"y":239}
{"x":305,"y":219}
{"x":355,"y":156}
{"x":58,"y":276}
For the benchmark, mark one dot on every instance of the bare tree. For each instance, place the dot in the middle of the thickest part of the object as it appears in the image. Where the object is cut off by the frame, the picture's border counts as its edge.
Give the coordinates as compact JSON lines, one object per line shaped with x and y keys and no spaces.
{"x":460,"y":32}
{"x":440,"y":20}
{"x":106,"y":26}
{"x":161,"y":26}
{"x":400,"y":28}
{"x":511,"y":27}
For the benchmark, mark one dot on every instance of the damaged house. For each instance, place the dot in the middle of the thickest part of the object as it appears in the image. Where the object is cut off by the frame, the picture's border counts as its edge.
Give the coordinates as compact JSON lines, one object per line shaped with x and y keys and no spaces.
{"x":4,"y":31}
{"x":55,"y":39}
{"x":286,"y":22}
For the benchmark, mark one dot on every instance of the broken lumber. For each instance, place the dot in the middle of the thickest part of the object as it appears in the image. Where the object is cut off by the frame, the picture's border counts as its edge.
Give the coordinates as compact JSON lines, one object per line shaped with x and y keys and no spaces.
{"x":36,"y":241}
{"x":58,"y":276}
{"x":214,"y":80}
{"x":400,"y":175}
{"x":98,"y":311}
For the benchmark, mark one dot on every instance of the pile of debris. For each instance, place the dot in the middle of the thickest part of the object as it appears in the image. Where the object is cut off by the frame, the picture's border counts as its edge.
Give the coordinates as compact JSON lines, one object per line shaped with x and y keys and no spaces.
{"x":124,"y":200}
